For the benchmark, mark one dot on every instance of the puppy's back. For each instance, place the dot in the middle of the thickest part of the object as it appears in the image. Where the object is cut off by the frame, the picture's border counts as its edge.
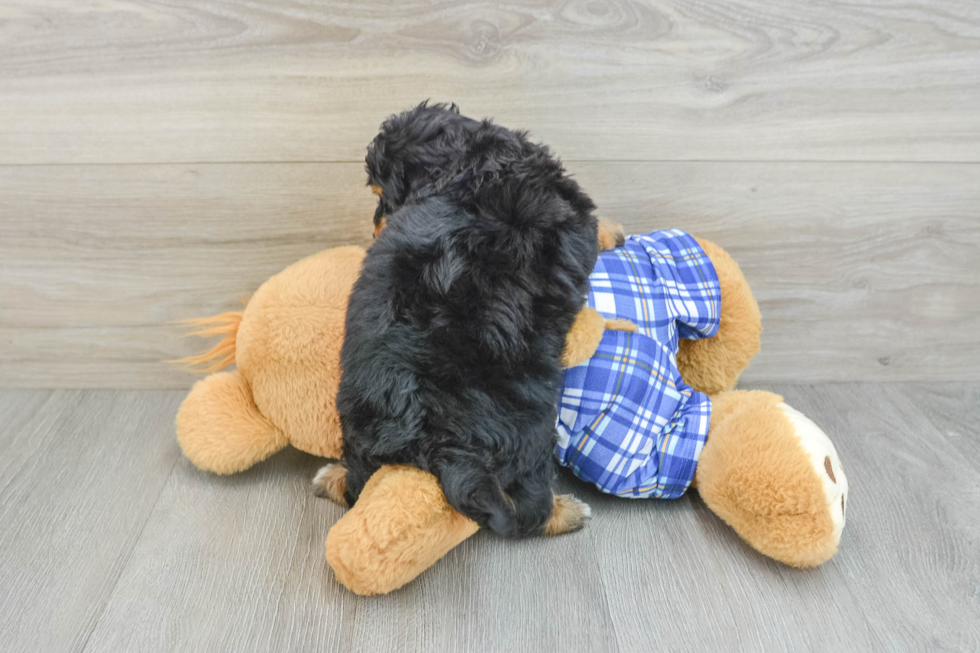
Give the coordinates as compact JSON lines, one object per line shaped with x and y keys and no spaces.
{"x":454,"y":334}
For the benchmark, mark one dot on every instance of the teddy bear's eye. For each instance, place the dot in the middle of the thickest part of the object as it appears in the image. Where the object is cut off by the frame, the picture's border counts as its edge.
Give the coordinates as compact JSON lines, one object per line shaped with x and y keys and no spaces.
{"x":829,"y":468}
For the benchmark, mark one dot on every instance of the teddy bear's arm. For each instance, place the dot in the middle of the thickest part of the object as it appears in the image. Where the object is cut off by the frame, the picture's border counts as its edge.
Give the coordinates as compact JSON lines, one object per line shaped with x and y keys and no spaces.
{"x":586,"y":332}
{"x":711,"y":365}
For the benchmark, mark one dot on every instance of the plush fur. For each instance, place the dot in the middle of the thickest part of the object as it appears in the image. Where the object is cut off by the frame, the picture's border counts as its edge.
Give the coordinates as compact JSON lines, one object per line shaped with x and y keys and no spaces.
{"x":220,"y":425}
{"x":455,"y":328}
{"x":711,"y":365}
{"x":286,"y":344}
{"x":585,"y":334}
{"x":374,"y":556}
{"x":755,"y":475}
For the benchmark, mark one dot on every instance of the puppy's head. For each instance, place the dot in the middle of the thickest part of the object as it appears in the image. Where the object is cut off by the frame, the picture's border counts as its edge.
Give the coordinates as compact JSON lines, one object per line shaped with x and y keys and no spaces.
{"x":415,"y":149}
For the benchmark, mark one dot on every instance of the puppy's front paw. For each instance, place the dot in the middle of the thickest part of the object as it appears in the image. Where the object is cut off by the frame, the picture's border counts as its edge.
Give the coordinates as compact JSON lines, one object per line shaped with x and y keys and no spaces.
{"x":611,"y":235}
{"x":330,"y":482}
{"x":567,"y":516}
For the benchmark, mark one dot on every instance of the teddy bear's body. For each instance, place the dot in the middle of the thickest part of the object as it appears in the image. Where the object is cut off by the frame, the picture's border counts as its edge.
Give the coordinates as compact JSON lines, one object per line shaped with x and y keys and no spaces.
{"x":286,"y":345}
{"x":764,"y":468}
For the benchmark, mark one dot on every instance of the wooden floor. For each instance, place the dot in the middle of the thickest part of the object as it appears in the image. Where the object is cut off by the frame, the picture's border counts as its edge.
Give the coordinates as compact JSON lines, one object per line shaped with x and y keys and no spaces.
{"x":111,"y":541}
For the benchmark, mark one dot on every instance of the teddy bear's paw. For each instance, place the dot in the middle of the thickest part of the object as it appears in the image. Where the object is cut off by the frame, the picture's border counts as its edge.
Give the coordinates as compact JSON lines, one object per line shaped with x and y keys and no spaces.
{"x":611,"y":235}
{"x":330,"y":482}
{"x":568,"y":515}
{"x":823,"y":457}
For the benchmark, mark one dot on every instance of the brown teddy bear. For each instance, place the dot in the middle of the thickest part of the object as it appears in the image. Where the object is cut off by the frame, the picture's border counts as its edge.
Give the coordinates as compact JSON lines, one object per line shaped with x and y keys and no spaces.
{"x":761,"y":466}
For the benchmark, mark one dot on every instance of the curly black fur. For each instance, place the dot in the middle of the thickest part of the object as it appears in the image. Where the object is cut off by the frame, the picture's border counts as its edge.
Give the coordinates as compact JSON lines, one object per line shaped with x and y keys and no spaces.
{"x":456,"y":325}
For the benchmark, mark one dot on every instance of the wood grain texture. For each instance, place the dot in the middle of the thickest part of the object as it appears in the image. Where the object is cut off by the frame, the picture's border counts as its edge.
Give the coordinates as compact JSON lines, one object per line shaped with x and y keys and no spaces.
{"x":863,"y":271}
{"x":489,"y":594}
{"x":79,"y":474}
{"x":237,"y":563}
{"x":93,"y":278}
{"x":231,"y":563}
{"x":910,"y":554}
{"x":674,"y":573}
{"x":135,"y":81}
{"x":954,"y":409}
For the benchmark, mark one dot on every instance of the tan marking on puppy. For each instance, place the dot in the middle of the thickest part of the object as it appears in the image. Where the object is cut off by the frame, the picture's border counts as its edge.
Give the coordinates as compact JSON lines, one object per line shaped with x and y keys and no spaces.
{"x":331,"y":483}
{"x":380,"y":226}
{"x":567,"y":516}
{"x":376,"y":190}
{"x":611,"y":235}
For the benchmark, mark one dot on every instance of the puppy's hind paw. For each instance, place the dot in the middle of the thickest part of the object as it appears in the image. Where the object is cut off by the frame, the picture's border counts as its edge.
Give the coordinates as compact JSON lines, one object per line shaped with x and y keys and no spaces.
{"x":567,"y":516}
{"x":330,"y":482}
{"x":611,"y":235}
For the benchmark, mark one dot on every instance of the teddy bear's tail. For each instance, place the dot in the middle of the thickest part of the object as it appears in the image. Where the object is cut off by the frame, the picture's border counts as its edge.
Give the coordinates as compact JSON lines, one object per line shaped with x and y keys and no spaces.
{"x":222,"y":354}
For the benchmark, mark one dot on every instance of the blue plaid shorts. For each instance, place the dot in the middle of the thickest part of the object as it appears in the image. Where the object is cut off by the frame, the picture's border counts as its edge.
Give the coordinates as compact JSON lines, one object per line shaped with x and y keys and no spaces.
{"x":626,"y":420}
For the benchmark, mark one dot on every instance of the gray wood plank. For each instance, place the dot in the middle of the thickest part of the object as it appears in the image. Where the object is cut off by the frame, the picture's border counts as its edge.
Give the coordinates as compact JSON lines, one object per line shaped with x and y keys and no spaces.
{"x":910,"y":554}
{"x":231,"y":564}
{"x":870,"y":261}
{"x":17,"y":408}
{"x":79,"y":474}
{"x":237,"y":563}
{"x":954,"y":409}
{"x":212,"y":81}
{"x":677,"y":578}
{"x":905,"y":577}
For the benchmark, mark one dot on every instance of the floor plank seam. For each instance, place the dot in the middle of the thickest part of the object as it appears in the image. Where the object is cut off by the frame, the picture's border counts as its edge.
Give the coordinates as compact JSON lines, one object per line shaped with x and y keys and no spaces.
{"x":49,"y":420}
{"x":129,"y":557}
{"x":605,"y":590}
{"x":296,"y":549}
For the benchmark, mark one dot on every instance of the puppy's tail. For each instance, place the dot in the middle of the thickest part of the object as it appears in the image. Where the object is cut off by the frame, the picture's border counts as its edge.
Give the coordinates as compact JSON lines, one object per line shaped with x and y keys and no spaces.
{"x":222,"y":354}
{"x":477,"y":494}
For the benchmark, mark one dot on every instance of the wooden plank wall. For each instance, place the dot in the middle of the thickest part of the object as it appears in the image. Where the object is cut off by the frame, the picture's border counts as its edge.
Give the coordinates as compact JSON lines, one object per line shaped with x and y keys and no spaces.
{"x":158,"y":160}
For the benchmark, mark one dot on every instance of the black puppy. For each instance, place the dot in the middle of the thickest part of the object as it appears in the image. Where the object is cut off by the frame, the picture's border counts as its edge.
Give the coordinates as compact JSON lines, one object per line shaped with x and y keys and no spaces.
{"x":456,"y":325}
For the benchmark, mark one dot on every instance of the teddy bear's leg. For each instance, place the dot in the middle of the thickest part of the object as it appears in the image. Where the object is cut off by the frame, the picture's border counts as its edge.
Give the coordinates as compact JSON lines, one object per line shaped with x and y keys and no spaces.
{"x":399,"y":527}
{"x":711,"y":365}
{"x":221,"y":430}
{"x":774,"y":477}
